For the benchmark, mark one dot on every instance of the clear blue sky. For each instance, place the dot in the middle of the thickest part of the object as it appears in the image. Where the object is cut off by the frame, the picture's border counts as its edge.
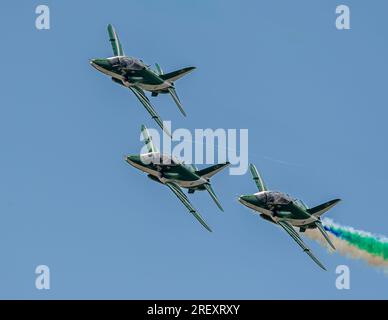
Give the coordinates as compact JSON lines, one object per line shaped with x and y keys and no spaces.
{"x":310,"y":95}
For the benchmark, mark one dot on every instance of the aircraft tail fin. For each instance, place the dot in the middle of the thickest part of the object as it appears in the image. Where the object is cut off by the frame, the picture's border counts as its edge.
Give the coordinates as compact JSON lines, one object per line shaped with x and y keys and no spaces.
{"x":212,"y":170}
{"x":175,"y":75}
{"x":322,"y":208}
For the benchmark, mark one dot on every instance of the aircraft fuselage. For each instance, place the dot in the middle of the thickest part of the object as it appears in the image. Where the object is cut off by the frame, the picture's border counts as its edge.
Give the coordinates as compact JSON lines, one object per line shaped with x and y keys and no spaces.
{"x":274,"y":206}
{"x":130,"y":71}
{"x":163,"y":169}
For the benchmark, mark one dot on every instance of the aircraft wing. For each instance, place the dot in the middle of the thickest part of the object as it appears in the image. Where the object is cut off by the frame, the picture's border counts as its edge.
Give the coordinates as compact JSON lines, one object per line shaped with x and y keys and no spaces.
{"x":115,"y":41}
{"x":148,"y":139}
{"x":182,"y":197}
{"x":139,"y":93}
{"x":294,"y":235}
{"x":257,"y":178}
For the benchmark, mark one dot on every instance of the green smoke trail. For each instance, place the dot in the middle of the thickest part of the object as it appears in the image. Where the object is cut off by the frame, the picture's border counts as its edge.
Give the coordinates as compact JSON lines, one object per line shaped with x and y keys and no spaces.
{"x":374,"y":245}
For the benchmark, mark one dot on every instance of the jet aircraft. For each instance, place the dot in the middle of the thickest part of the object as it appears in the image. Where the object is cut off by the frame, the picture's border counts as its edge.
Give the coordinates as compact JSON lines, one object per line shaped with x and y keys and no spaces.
{"x":135,"y":75}
{"x":287,"y":212}
{"x":175,"y":174}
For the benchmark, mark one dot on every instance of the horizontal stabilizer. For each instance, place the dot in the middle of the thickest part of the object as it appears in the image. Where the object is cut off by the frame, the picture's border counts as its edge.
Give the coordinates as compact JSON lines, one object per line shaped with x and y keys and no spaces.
{"x":212,"y":170}
{"x":175,"y":97}
{"x":175,"y":75}
{"x":213,"y":195}
{"x":324,"y":233}
{"x":322,"y":208}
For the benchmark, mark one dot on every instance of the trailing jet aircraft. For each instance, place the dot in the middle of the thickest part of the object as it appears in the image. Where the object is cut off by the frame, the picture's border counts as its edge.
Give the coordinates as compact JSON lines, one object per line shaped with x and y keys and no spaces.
{"x":287,"y":212}
{"x":175,"y":174}
{"x":134,"y":74}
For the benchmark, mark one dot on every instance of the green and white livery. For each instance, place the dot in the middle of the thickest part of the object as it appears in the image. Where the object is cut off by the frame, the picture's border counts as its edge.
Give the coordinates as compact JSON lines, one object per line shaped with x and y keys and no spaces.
{"x":175,"y":174}
{"x":287,"y":212}
{"x":135,"y":75}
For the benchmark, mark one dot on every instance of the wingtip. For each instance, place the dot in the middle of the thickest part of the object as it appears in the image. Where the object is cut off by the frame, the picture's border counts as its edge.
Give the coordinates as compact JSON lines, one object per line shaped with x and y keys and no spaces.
{"x":167,"y":133}
{"x":219,"y":206}
{"x":319,"y":263}
{"x":206,"y":226}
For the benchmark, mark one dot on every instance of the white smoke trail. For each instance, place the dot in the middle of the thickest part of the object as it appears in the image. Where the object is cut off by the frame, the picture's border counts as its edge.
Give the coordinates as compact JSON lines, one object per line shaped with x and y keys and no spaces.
{"x":346,"y":249}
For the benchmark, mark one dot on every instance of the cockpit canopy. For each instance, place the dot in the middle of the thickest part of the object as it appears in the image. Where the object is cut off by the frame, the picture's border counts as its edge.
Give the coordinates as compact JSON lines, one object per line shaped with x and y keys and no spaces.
{"x":160,"y":159}
{"x":274,"y":197}
{"x":127,"y":63}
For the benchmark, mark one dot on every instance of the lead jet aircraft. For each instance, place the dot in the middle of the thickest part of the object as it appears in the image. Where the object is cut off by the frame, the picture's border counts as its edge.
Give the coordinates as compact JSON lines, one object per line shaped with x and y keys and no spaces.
{"x":287,"y":212}
{"x":175,"y":174}
{"x":134,"y":74}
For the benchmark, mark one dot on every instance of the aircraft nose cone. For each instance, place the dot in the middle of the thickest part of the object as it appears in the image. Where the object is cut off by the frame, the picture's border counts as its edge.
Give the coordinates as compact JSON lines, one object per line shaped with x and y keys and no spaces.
{"x":248,"y":199}
{"x":133,"y":159}
{"x":103,"y":63}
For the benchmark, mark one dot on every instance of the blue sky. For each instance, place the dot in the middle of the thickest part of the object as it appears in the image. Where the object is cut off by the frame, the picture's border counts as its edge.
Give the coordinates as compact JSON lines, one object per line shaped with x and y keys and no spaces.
{"x":310,"y":95}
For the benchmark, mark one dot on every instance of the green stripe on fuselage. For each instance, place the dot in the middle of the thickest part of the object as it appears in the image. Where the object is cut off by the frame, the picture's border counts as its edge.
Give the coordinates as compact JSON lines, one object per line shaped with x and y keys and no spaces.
{"x":144,"y":76}
{"x":292,"y":211}
{"x":181,"y":172}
